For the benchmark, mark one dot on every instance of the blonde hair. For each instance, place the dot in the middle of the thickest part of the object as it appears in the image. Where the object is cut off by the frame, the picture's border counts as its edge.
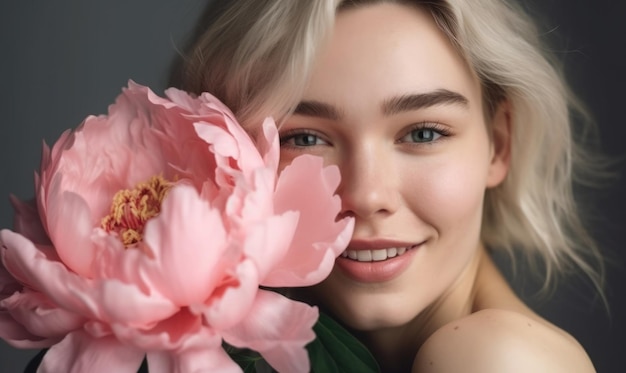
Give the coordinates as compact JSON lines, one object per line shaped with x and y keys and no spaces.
{"x":257,"y":54}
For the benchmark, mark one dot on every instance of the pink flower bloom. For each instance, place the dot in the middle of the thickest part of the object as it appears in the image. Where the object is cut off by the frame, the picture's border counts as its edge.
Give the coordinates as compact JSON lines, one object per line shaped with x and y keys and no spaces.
{"x":150,"y":234}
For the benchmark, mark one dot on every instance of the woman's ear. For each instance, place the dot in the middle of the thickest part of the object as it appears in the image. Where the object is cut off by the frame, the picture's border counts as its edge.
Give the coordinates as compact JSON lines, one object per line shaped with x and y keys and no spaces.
{"x":501,"y":137}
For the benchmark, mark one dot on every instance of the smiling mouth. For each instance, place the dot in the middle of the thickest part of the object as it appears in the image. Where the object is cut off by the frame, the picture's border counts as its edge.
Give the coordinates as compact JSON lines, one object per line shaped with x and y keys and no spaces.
{"x":375,"y":255}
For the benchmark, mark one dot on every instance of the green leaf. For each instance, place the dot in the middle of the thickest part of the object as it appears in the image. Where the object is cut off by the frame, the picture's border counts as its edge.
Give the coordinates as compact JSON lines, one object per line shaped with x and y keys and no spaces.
{"x":336,"y":350}
{"x":245,"y":358}
{"x":320,"y":358}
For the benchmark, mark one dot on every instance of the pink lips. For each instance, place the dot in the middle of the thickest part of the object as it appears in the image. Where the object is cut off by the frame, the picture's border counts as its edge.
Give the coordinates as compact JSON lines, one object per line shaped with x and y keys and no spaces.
{"x":383,"y":267}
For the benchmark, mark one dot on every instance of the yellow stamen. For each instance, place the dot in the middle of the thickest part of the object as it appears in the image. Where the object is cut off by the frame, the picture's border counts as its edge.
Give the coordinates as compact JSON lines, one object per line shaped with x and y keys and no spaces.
{"x":132,"y":208}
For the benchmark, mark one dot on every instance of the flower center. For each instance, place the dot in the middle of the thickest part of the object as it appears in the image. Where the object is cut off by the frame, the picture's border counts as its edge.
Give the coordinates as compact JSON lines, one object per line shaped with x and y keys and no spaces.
{"x":132,"y":208}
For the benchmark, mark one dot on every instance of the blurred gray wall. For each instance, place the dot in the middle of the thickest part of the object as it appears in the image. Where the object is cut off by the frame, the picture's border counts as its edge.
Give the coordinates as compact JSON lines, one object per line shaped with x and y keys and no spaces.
{"x":63,"y":60}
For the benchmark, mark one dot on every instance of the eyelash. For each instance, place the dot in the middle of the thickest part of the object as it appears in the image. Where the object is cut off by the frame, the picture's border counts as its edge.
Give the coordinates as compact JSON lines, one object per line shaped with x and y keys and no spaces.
{"x":438,"y":128}
{"x":291,"y":134}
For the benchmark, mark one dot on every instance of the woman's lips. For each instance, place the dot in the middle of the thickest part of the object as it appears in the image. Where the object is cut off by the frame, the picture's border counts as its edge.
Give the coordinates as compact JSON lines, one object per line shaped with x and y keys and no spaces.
{"x":376,"y":264}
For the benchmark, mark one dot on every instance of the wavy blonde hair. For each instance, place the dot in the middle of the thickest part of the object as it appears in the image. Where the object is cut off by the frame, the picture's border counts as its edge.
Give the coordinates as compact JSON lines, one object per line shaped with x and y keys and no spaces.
{"x":256,"y":57}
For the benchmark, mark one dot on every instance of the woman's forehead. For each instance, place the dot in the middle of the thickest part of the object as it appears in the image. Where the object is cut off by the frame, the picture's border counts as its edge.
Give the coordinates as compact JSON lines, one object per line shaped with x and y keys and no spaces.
{"x":388,"y":50}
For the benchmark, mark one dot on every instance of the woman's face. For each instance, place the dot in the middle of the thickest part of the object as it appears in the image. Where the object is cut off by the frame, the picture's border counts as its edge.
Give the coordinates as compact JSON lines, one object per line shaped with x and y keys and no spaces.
{"x":392,"y":104}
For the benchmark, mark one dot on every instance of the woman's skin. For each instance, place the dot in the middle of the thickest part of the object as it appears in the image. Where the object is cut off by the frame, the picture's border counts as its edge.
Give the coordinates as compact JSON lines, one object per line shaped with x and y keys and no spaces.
{"x":392,"y":104}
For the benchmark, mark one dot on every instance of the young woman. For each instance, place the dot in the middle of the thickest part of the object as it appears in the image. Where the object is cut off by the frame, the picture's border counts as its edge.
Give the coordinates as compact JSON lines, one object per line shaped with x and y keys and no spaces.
{"x":451,"y":130}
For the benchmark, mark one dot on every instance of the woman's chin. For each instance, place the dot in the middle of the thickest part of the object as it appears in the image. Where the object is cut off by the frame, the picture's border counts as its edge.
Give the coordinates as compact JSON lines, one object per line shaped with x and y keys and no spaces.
{"x":368,"y":312}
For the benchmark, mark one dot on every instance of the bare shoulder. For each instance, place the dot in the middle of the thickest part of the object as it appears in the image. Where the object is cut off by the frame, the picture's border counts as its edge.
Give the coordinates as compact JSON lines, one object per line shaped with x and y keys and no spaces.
{"x":501,"y":341}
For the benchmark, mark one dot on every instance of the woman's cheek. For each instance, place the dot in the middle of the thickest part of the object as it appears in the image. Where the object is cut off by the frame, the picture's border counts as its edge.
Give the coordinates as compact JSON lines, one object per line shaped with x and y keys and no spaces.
{"x":448,"y":195}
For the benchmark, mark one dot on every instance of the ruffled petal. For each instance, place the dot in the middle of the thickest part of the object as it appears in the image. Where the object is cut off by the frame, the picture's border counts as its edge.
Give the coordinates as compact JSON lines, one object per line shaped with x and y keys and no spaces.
{"x":10,"y":330}
{"x":114,"y":261}
{"x":268,"y":145}
{"x":220,"y":142}
{"x":72,"y":240}
{"x":17,"y":336}
{"x":8,"y":283}
{"x":27,"y":263}
{"x":215,"y":113}
{"x":318,"y":239}
{"x":167,"y":334}
{"x":258,"y":202}
{"x":232,"y":301}
{"x":268,"y":242}
{"x":137,"y":309}
{"x":78,"y":353}
{"x":27,"y":222}
{"x":91,"y":299}
{"x":188,"y":241}
{"x":39,"y":316}
{"x":49,"y":164}
{"x":214,"y":360}
{"x":201,"y":353}
{"x":279,"y":329}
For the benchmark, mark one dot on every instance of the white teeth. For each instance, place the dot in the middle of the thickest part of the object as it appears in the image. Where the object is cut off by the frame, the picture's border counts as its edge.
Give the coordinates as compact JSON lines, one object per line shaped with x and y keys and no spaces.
{"x":378,"y":255}
{"x":392,"y":252}
{"x":374,"y":255}
{"x":364,"y":256}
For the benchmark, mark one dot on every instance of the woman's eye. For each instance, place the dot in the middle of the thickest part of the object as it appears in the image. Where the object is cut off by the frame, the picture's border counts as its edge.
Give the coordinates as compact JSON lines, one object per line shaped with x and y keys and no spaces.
{"x":421,"y":135}
{"x":302,"y":140}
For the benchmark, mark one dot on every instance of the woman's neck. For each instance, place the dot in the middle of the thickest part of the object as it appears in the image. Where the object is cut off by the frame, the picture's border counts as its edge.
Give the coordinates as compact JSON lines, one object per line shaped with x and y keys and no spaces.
{"x":395,"y":348}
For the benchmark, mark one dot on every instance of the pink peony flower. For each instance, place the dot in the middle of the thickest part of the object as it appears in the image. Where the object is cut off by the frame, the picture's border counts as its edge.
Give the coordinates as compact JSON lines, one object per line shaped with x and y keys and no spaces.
{"x":150,"y":234}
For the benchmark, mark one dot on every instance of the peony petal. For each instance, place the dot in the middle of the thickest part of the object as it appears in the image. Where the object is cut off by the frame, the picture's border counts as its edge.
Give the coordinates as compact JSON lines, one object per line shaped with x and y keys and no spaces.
{"x":27,"y":222}
{"x":137,"y":309}
{"x":201,"y":353}
{"x":97,"y":329}
{"x":10,"y":330}
{"x":318,"y":238}
{"x":220,"y":142}
{"x":216,"y":113}
{"x":72,"y":242}
{"x":26,"y":262}
{"x":232,"y":301}
{"x":39,"y":316}
{"x":48,"y":166}
{"x":168,"y":334}
{"x":8,"y":283}
{"x":316,"y":202}
{"x":268,"y":145}
{"x":114,"y":261}
{"x":100,"y":162}
{"x":189,"y":244}
{"x":78,"y":353}
{"x":92,"y":299}
{"x":267,"y":242}
{"x":17,"y":336}
{"x":314,"y":263}
{"x":258,"y":201}
{"x":279,"y":329}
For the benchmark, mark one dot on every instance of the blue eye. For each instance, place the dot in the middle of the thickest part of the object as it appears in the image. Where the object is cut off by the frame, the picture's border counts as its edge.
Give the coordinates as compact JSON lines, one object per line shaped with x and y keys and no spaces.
{"x":302,"y":139}
{"x":305,"y":140}
{"x":424,"y":133}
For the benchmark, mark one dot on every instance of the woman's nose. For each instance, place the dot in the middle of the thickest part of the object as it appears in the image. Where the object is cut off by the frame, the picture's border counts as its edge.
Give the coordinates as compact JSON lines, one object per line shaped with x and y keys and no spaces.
{"x":369,"y":183}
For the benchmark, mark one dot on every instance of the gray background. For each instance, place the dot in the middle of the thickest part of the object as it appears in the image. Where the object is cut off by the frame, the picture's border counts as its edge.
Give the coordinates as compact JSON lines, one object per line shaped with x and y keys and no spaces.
{"x":63,"y":60}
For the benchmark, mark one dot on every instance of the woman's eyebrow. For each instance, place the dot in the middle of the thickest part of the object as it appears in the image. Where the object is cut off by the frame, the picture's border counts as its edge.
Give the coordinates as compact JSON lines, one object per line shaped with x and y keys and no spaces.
{"x":418,"y":101}
{"x":393,"y":105}
{"x":317,"y":109}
